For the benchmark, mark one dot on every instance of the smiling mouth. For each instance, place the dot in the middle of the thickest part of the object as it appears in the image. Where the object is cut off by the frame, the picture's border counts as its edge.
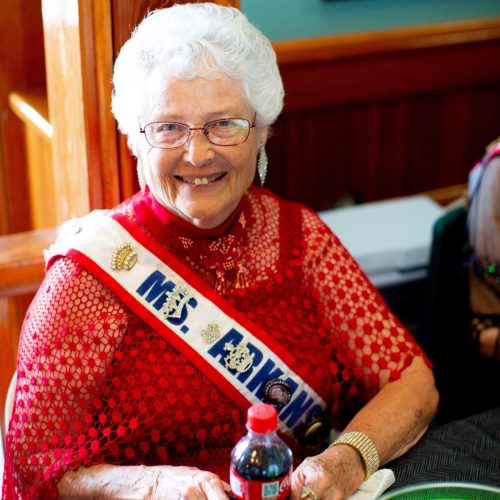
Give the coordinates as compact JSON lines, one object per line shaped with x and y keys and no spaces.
{"x":199,"y":181}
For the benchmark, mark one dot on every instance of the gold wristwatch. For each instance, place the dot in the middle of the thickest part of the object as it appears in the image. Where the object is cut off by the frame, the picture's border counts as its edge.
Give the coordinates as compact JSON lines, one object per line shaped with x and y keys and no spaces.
{"x":364,"y":446}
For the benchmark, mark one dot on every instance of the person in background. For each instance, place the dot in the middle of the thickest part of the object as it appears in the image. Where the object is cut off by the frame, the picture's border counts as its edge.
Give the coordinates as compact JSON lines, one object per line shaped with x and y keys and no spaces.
{"x":160,"y":321}
{"x":483,"y":221}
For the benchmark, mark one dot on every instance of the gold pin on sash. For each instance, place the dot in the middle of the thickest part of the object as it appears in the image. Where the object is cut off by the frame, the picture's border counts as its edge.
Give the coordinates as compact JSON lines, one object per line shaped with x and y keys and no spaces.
{"x":124,"y":258}
{"x":313,"y":427}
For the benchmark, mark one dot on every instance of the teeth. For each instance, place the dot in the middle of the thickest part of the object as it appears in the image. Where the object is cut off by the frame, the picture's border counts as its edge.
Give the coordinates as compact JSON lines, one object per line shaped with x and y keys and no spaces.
{"x":200,"y":180}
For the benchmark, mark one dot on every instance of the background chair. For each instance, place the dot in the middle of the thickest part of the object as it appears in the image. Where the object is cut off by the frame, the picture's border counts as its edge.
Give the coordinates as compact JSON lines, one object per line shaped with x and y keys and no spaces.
{"x":462,"y":378}
{"x":9,"y":405}
{"x":444,"y":335}
{"x":9,"y":401}
{"x":21,"y":272}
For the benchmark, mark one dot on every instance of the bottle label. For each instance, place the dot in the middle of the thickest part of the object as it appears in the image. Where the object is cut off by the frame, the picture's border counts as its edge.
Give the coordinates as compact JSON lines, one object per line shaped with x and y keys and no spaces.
{"x":246,"y":489}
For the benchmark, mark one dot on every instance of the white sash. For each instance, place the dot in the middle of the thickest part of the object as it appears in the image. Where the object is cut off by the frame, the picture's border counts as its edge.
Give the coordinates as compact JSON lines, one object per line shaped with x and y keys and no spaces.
{"x":195,"y":314}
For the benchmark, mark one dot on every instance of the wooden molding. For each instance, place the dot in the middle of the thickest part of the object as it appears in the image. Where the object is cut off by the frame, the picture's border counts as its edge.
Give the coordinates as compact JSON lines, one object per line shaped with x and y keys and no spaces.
{"x":387,"y":64}
{"x":335,"y":47}
{"x":384,"y":114}
{"x":63,"y":55}
{"x":22,"y":262}
{"x":32,"y":108}
{"x":231,"y":3}
{"x":100,"y":126}
{"x":450,"y":194}
{"x":22,"y":67}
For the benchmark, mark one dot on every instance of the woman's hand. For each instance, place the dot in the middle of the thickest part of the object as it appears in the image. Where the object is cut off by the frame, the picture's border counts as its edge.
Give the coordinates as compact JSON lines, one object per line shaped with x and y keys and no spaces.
{"x":189,"y":483}
{"x":395,"y":419}
{"x":153,"y":483}
{"x":334,"y":475}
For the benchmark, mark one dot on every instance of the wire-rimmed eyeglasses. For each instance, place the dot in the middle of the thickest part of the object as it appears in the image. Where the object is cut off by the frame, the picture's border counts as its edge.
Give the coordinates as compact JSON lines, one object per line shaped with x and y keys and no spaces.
{"x":222,"y":132}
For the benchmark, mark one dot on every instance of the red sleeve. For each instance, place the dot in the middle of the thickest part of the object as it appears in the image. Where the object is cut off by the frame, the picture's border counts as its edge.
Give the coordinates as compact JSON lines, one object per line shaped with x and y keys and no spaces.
{"x":365,"y":332}
{"x":66,"y":345}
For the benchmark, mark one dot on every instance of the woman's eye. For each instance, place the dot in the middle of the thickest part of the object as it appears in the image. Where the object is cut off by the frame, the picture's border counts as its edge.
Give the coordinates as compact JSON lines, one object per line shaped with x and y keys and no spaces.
{"x":224,"y":128}
{"x":167,"y":128}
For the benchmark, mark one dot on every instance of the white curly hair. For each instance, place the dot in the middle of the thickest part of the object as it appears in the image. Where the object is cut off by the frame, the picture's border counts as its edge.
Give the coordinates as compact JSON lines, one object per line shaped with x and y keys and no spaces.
{"x":196,"y":40}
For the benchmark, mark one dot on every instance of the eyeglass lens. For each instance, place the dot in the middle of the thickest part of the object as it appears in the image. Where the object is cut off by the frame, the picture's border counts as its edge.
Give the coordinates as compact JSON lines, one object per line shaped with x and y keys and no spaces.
{"x":225,"y":132}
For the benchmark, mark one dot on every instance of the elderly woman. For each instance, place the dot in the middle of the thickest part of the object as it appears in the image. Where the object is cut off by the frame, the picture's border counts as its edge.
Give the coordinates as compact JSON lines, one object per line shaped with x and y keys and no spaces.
{"x":160,"y":321}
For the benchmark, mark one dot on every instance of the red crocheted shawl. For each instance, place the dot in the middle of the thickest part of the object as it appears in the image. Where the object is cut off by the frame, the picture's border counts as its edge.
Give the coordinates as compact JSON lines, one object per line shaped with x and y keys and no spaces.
{"x":97,"y":385}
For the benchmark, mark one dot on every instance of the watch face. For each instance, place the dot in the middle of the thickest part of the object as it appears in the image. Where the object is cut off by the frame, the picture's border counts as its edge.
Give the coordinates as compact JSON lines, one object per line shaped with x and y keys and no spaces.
{"x":444,"y":491}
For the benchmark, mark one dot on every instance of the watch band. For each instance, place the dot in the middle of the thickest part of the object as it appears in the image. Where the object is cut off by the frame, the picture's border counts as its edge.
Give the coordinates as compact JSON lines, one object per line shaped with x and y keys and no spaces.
{"x":364,"y":446}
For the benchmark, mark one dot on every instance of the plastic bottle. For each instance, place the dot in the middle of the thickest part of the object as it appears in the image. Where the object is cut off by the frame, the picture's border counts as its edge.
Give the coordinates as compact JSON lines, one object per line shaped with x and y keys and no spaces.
{"x":261,"y":462}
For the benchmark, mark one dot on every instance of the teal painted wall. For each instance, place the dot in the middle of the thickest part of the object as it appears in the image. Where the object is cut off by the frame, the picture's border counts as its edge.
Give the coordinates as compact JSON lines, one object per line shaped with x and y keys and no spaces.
{"x":289,"y":19}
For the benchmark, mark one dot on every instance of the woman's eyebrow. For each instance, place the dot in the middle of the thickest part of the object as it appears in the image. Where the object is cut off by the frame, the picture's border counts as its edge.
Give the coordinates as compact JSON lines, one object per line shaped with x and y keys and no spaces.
{"x":213,"y":115}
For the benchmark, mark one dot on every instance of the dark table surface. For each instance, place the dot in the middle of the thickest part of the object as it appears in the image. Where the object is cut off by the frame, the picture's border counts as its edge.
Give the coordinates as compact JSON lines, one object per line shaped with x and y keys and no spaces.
{"x":466,"y":450}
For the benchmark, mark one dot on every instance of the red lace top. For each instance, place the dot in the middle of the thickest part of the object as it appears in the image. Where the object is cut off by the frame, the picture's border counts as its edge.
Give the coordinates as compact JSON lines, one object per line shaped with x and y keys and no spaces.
{"x":97,"y":385}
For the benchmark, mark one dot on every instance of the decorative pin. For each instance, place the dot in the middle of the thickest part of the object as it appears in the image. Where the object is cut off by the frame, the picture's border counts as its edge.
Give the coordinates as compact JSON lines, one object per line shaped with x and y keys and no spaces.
{"x":315,"y":433}
{"x":175,"y":301}
{"x":277,"y":393}
{"x":211,"y":333}
{"x":239,"y":357}
{"x":124,"y":258}
{"x":313,"y":427}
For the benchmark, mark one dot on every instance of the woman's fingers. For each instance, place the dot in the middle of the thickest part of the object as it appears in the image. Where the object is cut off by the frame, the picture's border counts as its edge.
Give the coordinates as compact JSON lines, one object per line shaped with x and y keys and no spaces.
{"x":189,"y":483}
{"x":211,"y":485}
{"x":304,"y":481}
{"x":314,"y":480}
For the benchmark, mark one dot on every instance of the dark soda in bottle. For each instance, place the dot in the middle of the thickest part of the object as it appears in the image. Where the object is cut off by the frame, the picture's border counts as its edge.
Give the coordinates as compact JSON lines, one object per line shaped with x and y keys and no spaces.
{"x":261,"y":462}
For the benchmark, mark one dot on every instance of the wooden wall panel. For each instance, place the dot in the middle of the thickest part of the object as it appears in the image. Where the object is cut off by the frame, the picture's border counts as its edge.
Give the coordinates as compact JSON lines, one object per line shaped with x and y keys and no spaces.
{"x":65,"y":88}
{"x":100,"y":129}
{"x":31,"y":108}
{"x":385,"y":114}
{"x":378,"y":150}
{"x":22,"y":66}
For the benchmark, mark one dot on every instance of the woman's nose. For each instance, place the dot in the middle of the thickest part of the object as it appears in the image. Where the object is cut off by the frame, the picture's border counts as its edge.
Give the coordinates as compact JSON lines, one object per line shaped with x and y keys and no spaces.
{"x":198,"y":149}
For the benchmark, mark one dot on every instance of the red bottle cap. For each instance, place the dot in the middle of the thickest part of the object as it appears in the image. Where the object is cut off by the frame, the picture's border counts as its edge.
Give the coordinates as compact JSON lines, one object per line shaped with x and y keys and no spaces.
{"x":262,"y":418}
